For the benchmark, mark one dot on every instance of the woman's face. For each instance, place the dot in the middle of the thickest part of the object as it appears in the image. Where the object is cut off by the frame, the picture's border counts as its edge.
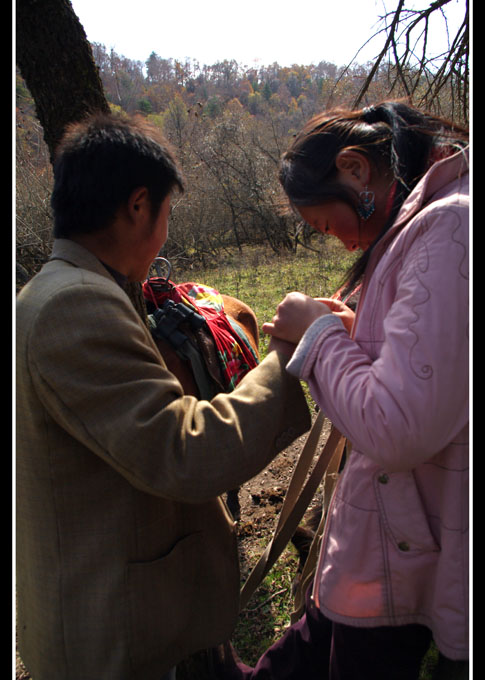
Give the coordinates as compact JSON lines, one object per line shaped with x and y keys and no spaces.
{"x":337,"y":219}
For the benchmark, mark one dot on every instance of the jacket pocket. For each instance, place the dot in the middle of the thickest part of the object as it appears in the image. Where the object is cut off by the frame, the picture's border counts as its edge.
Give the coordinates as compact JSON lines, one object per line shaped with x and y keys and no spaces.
{"x":159,"y":596}
{"x":403,"y":513}
{"x":175,"y":603}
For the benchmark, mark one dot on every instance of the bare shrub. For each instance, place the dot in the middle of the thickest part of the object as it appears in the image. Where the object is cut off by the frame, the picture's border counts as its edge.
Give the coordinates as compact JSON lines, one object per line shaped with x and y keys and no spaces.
{"x":33,"y":183}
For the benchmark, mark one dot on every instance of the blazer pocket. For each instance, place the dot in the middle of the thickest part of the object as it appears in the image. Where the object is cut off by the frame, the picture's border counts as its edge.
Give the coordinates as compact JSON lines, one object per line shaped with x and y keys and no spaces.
{"x":184,"y":601}
{"x":403,"y":513}
{"x":160,"y":596}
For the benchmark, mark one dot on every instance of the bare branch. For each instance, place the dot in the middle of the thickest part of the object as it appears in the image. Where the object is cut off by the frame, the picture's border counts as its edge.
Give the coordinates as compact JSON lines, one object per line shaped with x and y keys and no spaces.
{"x":381,"y":56}
{"x":431,"y":79}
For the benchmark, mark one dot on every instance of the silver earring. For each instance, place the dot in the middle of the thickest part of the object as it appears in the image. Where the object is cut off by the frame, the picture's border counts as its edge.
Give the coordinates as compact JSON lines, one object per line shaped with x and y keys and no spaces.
{"x":366,"y":205}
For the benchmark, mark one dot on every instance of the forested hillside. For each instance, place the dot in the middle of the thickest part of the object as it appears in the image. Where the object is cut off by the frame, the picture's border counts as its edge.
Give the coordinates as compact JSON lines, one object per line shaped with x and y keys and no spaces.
{"x":159,"y":83}
{"x":229,"y":124}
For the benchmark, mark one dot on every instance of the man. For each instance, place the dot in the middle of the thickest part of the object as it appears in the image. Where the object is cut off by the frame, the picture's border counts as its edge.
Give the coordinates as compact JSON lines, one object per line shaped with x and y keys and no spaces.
{"x":126,"y":556}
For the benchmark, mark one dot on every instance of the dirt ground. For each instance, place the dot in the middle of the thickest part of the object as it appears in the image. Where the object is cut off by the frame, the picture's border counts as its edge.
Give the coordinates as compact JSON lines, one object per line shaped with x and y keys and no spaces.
{"x":261,"y":498}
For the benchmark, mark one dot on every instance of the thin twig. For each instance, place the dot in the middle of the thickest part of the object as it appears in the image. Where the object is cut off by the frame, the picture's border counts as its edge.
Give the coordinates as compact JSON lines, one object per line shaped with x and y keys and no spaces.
{"x":271,"y":597}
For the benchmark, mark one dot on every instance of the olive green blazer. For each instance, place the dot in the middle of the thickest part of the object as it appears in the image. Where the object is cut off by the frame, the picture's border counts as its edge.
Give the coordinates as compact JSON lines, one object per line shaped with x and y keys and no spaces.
{"x":126,"y":555}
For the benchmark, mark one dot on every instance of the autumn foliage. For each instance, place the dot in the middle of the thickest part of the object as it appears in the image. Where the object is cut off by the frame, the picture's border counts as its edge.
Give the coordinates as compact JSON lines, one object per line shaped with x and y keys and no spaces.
{"x":229,"y":124}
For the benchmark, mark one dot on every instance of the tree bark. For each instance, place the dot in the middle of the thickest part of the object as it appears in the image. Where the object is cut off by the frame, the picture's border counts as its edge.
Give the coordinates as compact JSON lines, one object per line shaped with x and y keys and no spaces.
{"x":56,"y":62}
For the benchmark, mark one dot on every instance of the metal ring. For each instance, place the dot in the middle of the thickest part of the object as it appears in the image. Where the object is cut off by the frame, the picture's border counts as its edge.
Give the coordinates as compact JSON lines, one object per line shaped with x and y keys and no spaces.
{"x":158,"y":262}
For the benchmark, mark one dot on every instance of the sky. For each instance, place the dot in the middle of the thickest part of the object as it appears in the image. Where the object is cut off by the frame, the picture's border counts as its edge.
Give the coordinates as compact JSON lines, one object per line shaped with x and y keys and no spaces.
{"x":253,"y":32}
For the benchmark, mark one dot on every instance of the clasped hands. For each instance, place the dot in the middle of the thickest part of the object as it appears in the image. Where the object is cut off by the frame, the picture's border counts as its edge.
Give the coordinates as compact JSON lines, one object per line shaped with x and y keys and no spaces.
{"x":296,"y":313}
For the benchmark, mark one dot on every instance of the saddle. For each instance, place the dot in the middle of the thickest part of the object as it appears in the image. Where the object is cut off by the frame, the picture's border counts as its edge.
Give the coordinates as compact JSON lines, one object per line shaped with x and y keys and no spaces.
{"x":191,"y":317}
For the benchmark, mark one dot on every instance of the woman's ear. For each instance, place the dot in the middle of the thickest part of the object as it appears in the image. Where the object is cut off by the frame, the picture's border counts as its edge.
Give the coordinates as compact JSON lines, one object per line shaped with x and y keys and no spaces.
{"x":354,"y":166}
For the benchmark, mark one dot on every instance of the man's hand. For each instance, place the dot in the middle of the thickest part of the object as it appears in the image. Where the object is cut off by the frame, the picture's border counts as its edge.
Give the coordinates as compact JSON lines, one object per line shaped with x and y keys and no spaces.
{"x":281,"y":346}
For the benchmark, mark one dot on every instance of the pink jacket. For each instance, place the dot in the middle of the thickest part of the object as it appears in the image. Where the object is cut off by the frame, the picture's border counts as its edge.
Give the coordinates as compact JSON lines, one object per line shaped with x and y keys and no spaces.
{"x":395,"y":547}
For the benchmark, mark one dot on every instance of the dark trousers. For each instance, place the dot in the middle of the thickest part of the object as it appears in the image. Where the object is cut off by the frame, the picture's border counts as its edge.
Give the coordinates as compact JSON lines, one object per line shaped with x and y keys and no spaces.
{"x":316,"y":648}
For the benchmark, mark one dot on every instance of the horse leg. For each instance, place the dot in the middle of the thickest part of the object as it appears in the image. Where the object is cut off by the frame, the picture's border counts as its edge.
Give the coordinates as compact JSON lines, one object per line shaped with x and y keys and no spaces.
{"x":232,"y":500}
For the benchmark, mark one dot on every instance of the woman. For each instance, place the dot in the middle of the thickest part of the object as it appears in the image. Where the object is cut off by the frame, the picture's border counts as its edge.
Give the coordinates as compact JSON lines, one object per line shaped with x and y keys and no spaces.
{"x":392,"y":572}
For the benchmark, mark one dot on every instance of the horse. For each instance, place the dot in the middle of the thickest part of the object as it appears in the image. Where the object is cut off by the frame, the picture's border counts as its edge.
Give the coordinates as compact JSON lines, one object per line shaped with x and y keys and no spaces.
{"x":239,"y":312}
{"x":243,"y":317}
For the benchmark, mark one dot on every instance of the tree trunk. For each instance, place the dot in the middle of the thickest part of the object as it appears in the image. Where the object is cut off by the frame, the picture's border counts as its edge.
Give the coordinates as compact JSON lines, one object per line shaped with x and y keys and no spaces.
{"x":56,"y":61}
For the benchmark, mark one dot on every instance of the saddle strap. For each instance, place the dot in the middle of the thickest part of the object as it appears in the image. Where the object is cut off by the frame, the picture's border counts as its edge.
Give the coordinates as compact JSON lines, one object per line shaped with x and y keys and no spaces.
{"x":297,"y":499}
{"x":309,"y":568}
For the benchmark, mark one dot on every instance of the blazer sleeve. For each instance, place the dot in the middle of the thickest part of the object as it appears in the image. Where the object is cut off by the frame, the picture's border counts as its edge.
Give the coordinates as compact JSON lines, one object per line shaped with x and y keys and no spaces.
{"x":100,"y":377}
{"x":410,"y":402}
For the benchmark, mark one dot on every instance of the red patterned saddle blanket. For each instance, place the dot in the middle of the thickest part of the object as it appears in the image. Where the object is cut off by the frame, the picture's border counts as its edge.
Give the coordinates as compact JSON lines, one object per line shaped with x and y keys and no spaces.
{"x":172,"y":307}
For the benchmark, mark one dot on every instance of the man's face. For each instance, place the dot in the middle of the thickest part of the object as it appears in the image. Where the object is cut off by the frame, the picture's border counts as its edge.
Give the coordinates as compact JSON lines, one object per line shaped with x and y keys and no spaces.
{"x":161,"y":222}
{"x":153,"y":235}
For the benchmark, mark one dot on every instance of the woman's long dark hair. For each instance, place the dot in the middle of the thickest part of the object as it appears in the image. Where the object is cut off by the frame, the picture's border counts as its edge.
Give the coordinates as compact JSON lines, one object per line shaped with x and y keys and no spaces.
{"x":398,"y":140}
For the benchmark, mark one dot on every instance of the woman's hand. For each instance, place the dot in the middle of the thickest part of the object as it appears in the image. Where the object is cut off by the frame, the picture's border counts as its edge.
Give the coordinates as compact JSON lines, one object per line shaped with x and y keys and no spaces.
{"x":294,"y":315}
{"x":340,"y":309}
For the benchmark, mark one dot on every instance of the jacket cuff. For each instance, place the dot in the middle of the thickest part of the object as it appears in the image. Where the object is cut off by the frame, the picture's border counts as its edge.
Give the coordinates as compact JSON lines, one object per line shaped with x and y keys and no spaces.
{"x":296,"y":365}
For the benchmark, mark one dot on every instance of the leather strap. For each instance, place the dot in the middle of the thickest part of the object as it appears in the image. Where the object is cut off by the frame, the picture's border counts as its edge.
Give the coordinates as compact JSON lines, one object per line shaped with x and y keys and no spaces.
{"x":308,"y":572}
{"x":297,"y":499}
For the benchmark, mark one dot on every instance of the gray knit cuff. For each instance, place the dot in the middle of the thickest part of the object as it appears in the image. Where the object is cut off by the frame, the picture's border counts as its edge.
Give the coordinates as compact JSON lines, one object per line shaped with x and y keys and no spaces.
{"x":313,"y":332}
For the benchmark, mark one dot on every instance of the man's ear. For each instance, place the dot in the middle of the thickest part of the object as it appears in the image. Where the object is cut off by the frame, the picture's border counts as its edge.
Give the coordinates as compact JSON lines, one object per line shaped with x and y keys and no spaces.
{"x":354,"y":166}
{"x":139,"y":204}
